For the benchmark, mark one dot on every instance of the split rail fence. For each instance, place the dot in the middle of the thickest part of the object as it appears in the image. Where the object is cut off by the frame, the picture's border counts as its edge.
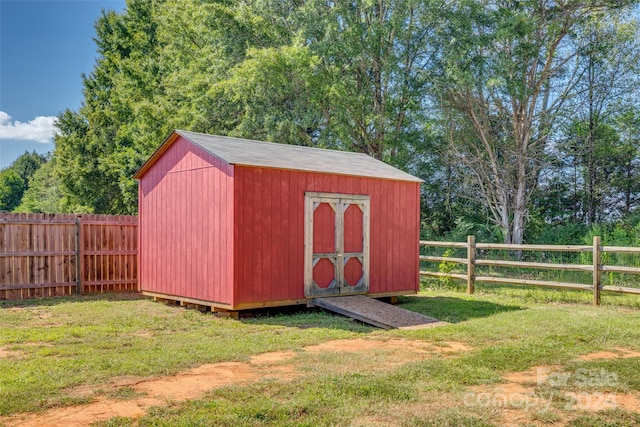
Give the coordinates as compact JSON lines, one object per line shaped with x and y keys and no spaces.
{"x":46,"y":255}
{"x":594,"y":269}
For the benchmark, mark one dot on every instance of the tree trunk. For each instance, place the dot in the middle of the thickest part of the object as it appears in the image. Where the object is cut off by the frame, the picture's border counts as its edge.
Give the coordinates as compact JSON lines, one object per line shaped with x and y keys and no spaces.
{"x":520,"y":207}
{"x":591,"y":163}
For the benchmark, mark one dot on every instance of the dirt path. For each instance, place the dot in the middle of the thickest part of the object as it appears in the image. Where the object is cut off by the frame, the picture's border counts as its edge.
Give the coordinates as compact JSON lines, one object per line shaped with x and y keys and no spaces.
{"x":522,"y":398}
{"x":193,"y":383}
{"x":512,"y":402}
{"x":516,"y":401}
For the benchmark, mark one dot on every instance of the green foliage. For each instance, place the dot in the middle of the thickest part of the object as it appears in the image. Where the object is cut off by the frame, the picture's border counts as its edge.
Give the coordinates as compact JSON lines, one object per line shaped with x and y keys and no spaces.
{"x":569,"y":234}
{"x":620,"y":233}
{"x":44,"y":194}
{"x":101,"y":145}
{"x":446,"y":267}
{"x":602,"y":176}
{"x":507,"y":75}
{"x":11,"y":188}
{"x":593,"y":168}
{"x":375,"y":66}
{"x":27,"y":164}
{"x":15,"y":179}
{"x":273,"y":94}
{"x":399,"y":80}
{"x":305,"y":73}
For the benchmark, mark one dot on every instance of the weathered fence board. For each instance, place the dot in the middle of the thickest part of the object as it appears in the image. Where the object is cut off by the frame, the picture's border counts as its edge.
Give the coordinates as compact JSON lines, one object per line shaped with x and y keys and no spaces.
{"x":45,"y":255}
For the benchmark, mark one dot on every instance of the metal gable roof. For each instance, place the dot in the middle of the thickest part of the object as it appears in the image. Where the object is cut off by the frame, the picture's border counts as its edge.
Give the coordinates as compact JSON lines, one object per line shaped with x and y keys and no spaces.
{"x":246,"y":152}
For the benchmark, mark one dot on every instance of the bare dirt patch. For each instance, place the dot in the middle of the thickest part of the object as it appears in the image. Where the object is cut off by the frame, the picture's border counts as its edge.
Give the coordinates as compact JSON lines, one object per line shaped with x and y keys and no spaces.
{"x":359,"y":345}
{"x":377,"y":355}
{"x":142,"y":334}
{"x":617,"y":353}
{"x":5,"y":353}
{"x":514,"y":417}
{"x":83,"y":391}
{"x":190,"y":384}
{"x":272,"y":358}
{"x":452,"y":347}
{"x":536,"y":374}
{"x":516,"y":401}
{"x":595,"y":402}
{"x":101,"y":409}
{"x":630,"y":402}
{"x":193,"y":383}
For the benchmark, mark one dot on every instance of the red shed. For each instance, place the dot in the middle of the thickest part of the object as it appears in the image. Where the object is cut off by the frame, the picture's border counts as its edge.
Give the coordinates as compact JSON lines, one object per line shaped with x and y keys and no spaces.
{"x":235,"y":224}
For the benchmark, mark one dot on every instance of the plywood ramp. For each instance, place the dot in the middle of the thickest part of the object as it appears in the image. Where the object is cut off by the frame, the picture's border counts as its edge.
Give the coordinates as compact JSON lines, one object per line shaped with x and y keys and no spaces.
{"x":374,"y":312}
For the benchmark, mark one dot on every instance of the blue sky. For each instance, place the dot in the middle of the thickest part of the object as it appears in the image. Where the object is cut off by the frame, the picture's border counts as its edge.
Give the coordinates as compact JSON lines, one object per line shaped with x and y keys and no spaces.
{"x":45,"y":47}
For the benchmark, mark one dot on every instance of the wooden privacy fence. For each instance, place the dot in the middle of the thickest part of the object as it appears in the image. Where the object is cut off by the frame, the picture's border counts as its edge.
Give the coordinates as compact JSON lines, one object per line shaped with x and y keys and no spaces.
{"x":44,"y":255}
{"x":594,"y":268}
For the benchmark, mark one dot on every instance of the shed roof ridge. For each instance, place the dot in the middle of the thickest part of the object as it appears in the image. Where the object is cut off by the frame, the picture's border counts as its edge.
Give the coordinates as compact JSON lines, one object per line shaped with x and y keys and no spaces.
{"x":302,"y":147}
{"x":254,"y":153}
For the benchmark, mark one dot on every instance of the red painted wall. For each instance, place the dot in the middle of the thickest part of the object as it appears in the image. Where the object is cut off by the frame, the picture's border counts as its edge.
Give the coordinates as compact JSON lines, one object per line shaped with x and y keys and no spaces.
{"x":186,"y":211}
{"x":235,"y":234}
{"x":269,"y":231}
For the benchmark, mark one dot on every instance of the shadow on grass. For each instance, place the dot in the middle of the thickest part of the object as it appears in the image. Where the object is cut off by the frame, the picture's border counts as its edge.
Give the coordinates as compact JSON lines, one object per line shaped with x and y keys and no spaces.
{"x":51,"y":301}
{"x":303,"y":317}
{"x":454,"y":310}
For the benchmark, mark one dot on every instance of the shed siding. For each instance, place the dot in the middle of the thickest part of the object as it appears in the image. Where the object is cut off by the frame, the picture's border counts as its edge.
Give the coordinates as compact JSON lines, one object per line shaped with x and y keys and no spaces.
{"x":269,"y":231}
{"x":186,"y":208}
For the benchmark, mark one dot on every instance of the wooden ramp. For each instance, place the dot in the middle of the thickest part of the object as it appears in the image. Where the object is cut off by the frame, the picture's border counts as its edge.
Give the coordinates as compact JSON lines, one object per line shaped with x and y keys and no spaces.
{"x":374,"y":312}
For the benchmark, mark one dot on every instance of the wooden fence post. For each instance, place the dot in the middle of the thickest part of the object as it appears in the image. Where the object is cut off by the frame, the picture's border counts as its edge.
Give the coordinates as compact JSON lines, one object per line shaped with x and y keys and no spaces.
{"x":596,"y":270}
{"x":79,"y":255}
{"x":471,"y":263}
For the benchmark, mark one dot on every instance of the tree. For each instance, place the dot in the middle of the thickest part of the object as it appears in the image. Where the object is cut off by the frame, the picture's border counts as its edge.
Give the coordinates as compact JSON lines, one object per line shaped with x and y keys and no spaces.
{"x":158,"y":68}
{"x":609,"y":62}
{"x":27,"y":164}
{"x":101,"y":145}
{"x":507,"y":71}
{"x":375,"y":63}
{"x":472,"y":95}
{"x":594,"y":151}
{"x":12,"y":187}
{"x":627,"y":175}
{"x":15,"y":179}
{"x":43,"y":193}
{"x":273,"y":95}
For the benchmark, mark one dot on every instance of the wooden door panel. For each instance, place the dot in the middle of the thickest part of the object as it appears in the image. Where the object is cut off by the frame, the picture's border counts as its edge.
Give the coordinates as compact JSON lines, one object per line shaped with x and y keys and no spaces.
{"x":353,"y":272}
{"x":324,"y":229}
{"x":324,"y":273}
{"x":353,"y":233}
{"x":336,"y":244}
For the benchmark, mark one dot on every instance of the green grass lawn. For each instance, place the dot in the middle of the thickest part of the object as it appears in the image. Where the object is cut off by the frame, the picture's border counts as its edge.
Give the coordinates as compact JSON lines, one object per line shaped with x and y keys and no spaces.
{"x":49,"y":347}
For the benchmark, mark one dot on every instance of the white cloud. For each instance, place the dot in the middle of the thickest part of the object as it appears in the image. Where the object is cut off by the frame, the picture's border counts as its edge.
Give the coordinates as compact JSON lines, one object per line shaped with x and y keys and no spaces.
{"x":40,"y":129}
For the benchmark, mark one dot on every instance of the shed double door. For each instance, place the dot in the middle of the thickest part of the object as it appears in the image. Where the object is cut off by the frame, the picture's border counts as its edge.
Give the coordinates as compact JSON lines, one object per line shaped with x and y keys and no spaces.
{"x":336,"y":244}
